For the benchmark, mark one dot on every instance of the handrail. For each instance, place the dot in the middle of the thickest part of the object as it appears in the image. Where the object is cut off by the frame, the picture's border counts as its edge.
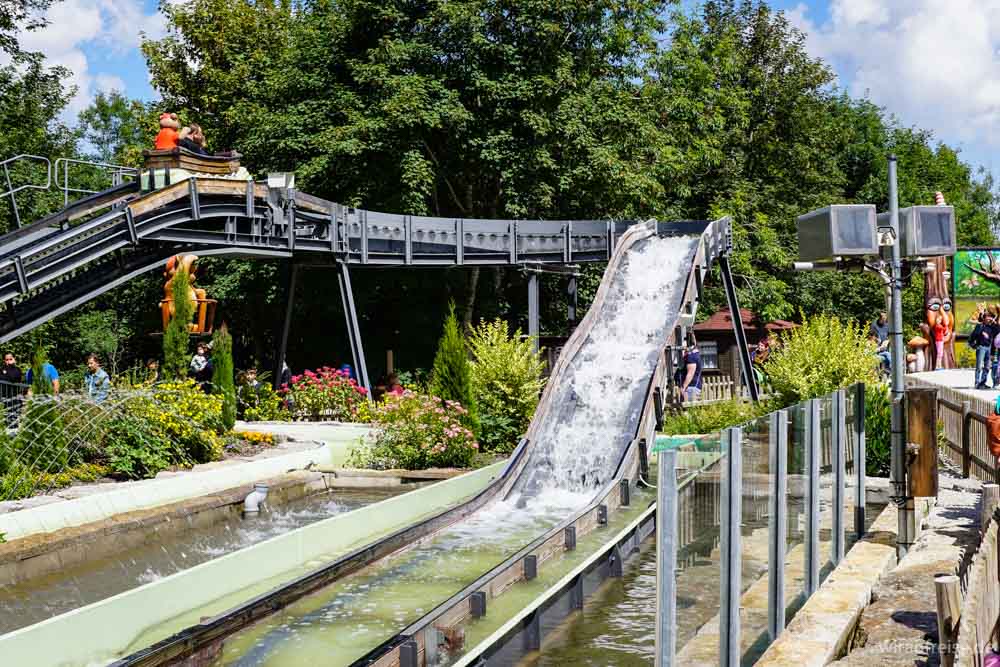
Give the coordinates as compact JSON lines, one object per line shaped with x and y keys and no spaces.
{"x":118,"y":174}
{"x":11,"y":190}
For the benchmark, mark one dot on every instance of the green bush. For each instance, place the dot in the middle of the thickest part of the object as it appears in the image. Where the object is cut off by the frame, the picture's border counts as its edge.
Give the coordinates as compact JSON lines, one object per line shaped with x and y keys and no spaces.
{"x":451,"y":377}
{"x":223,"y":380}
{"x":416,"y":431}
{"x":177,"y":335}
{"x":712,"y":417}
{"x":135,"y":449}
{"x":506,"y":382}
{"x":822,"y":355}
{"x":42,"y":442}
{"x":878,"y":419}
{"x":262,"y":404}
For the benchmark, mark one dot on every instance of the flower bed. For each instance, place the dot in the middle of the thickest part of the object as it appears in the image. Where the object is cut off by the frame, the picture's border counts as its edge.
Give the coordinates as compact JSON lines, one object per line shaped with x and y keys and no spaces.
{"x":417,"y":431}
{"x":328,"y":394}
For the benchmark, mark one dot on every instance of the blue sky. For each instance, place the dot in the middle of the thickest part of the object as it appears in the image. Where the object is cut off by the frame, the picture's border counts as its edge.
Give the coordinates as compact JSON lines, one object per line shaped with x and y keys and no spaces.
{"x":932,"y":63}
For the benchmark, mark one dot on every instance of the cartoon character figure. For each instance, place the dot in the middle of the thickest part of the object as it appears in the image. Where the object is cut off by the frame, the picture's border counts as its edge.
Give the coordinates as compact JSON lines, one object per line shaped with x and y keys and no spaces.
{"x":196,"y":295}
{"x":939,"y":317}
{"x":166,"y":138}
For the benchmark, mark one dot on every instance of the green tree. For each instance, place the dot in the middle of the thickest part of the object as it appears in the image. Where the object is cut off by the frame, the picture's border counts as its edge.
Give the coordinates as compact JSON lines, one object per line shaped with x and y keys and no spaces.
{"x":451,"y":377}
{"x":115,"y":129}
{"x":105,"y":334}
{"x":177,"y":335}
{"x":223,"y":380}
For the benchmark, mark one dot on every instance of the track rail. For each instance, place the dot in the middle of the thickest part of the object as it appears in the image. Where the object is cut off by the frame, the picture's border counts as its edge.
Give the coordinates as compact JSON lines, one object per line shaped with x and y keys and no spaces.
{"x":615,"y":494}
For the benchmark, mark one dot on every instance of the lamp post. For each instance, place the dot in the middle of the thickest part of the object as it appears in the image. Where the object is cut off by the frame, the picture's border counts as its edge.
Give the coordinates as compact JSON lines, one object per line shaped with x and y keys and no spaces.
{"x":848,"y":237}
{"x":904,"y":501}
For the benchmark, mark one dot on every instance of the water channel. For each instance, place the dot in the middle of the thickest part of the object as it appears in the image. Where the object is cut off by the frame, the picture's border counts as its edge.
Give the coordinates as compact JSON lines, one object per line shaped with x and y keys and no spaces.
{"x":43,"y":597}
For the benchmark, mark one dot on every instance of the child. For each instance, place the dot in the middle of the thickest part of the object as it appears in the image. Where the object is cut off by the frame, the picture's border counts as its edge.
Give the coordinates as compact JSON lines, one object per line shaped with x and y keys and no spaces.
{"x":940,"y":330}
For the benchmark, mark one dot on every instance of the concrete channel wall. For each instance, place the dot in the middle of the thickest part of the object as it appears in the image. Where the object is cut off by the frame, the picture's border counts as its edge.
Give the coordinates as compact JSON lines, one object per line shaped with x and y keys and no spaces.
{"x":99,"y":633}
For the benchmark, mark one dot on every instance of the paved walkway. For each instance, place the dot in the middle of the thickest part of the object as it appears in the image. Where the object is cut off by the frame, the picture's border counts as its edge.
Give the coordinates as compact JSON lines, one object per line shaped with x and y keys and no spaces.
{"x":962,"y":380}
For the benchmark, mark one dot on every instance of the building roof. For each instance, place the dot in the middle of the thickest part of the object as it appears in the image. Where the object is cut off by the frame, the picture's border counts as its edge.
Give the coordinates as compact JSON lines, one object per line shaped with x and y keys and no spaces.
{"x":722,"y":321}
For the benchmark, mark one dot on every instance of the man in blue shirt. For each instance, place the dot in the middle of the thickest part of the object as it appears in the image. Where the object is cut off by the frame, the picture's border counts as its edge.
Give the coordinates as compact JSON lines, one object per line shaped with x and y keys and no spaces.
{"x":50,"y":373}
{"x":96,"y":380}
{"x":691,"y":386}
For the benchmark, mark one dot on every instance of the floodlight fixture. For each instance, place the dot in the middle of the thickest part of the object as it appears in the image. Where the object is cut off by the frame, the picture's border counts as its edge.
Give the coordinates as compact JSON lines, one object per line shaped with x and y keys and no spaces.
{"x":837,"y":231}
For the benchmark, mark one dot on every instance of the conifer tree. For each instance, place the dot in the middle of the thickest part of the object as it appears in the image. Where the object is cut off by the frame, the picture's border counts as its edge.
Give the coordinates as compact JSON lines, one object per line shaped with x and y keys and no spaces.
{"x":222,"y":374}
{"x":451,"y":377}
{"x":177,"y":335}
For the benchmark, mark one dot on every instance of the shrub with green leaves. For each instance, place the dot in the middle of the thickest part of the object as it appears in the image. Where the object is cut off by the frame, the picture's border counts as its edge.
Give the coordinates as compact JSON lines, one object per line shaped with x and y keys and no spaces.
{"x":136,"y":449}
{"x":878,"y":419}
{"x":822,"y":355}
{"x":712,"y":417}
{"x":260,"y":403}
{"x":506,"y":383}
{"x":41,"y":442}
{"x":416,"y":431}
{"x":451,"y":377}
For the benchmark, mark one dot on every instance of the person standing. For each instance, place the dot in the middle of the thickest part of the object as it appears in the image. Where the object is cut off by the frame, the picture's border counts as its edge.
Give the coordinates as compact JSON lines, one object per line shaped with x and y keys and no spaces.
{"x":10,"y":390}
{"x":200,"y":368}
{"x":691,"y":385}
{"x":96,"y":380}
{"x":940,"y":332}
{"x":981,"y":340}
{"x":880,"y":328}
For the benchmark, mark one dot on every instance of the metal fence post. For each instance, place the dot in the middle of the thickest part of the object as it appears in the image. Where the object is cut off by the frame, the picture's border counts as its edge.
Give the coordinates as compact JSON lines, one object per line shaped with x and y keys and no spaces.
{"x":777,"y":528}
{"x":860,"y":495}
{"x":813,"y":453}
{"x":837,"y":459}
{"x":666,"y":559}
{"x":732,"y":512}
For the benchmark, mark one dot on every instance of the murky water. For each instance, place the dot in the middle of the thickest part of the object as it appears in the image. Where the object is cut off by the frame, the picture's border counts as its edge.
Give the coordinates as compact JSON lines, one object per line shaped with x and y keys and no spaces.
{"x":76,"y":586}
{"x":616,"y":627}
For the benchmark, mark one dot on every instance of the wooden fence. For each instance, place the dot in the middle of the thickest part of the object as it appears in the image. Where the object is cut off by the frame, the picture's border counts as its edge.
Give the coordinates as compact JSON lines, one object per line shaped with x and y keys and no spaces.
{"x":719,"y":388}
{"x":963,"y":417}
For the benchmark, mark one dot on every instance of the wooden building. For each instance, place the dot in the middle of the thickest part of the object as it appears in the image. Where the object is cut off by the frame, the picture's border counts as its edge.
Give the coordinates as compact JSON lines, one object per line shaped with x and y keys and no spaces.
{"x":717,"y":343}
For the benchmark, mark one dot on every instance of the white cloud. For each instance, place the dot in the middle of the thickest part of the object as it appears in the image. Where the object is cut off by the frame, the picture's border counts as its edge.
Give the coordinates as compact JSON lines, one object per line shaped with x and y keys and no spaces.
{"x":933,"y":64}
{"x":111,"y":26}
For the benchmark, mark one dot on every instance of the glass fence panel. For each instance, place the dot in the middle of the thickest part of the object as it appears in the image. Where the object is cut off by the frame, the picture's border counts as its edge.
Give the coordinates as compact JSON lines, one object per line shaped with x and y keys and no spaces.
{"x":797,"y":509}
{"x":850,"y":462}
{"x":826,"y":484}
{"x":755,"y":527}
{"x":699,"y":513}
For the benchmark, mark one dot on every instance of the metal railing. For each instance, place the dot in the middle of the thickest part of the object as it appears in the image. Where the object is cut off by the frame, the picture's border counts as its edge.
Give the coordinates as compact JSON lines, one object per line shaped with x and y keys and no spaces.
{"x":11,"y":191}
{"x":58,"y":173}
{"x":117,"y":173}
{"x":781,"y":490}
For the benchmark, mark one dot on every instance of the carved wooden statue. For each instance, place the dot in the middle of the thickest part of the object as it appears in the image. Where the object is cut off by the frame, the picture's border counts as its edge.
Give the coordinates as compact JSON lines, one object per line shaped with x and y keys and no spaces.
{"x":938,"y":315}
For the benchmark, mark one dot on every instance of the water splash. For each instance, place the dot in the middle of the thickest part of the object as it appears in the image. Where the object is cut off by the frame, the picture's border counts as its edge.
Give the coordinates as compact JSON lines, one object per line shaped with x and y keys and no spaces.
{"x":598,"y":403}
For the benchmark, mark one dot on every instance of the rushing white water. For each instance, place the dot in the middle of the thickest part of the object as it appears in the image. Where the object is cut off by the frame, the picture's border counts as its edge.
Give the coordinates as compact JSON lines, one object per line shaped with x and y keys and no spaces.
{"x":599,"y":398}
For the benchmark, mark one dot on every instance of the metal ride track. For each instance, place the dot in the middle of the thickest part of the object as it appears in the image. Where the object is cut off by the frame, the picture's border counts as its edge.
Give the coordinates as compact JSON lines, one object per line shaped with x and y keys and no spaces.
{"x":101,"y":241}
{"x":419,"y":639}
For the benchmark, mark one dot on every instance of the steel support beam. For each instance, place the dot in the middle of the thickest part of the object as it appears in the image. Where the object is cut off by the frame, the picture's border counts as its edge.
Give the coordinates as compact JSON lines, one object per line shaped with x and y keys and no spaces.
{"x":777,"y":520}
{"x":813,"y":453}
{"x":741,"y":337}
{"x":730,"y":650}
{"x":572,"y":303}
{"x":666,"y":560}
{"x":533,"y":310}
{"x":353,"y":328}
{"x":838,"y":460}
{"x":293,"y":276}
